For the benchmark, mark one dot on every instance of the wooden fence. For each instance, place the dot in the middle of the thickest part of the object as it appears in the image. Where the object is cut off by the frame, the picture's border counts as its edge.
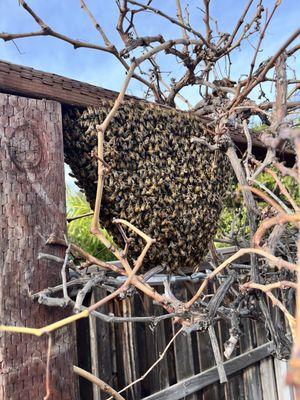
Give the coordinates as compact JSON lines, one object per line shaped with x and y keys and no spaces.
{"x":120,"y":353}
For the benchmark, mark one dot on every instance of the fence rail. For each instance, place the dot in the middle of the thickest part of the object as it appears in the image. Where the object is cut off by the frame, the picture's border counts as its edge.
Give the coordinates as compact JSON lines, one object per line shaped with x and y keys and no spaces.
{"x":210,"y":376}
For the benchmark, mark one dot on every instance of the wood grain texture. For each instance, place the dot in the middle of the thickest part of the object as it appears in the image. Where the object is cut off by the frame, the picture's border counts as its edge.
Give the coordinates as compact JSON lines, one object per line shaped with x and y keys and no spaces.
{"x":267,"y":371}
{"x":32,"y":194}
{"x":206,"y":378}
{"x":251,"y":375}
{"x":184,"y":364}
{"x":103,"y":335}
{"x":284,"y":392}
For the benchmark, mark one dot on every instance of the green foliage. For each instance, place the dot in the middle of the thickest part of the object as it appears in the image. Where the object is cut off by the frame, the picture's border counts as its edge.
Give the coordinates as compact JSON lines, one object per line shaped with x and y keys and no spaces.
{"x":233,"y":220}
{"x":292,"y":187}
{"x":289,"y":183}
{"x":259,"y":128}
{"x":233,"y":223}
{"x":79,"y":230}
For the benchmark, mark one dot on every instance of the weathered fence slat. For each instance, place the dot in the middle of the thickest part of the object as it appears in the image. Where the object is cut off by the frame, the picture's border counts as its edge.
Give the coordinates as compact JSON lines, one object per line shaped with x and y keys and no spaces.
{"x":284,"y":392}
{"x":267,"y":374}
{"x":251,"y":376}
{"x":210,"y":376}
{"x":94,"y":351}
{"x":184,"y":364}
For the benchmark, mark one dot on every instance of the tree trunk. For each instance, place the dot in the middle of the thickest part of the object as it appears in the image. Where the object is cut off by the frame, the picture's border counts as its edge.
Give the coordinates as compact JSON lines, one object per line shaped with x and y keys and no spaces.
{"x":32,"y":195}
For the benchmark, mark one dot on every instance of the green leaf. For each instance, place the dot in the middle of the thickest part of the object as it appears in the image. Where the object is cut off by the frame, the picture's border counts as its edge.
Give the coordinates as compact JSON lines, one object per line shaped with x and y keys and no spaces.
{"x":79,"y":230}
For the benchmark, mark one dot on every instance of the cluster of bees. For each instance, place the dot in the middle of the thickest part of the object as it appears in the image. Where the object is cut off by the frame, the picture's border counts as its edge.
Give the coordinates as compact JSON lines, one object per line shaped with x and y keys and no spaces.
{"x":167,"y":186}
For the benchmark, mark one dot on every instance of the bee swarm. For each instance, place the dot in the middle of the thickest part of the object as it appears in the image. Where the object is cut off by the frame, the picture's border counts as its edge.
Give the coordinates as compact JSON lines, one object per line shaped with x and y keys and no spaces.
{"x":158,"y":180}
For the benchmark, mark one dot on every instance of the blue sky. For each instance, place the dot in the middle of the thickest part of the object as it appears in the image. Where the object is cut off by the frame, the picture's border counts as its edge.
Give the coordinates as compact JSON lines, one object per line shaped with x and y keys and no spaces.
{"x":102,"y":69}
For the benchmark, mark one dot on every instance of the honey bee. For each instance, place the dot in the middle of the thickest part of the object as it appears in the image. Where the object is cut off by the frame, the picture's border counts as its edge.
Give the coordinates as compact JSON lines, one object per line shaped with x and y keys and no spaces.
{"x":157,"y":178}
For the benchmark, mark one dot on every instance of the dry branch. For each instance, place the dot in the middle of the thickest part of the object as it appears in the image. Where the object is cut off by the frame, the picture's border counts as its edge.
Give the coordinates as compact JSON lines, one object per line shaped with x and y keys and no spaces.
{"x":97,"y":381}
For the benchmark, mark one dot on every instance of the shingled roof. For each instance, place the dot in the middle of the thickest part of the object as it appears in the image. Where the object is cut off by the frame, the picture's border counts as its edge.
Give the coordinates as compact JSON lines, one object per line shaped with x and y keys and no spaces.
{"x":29,"y":82}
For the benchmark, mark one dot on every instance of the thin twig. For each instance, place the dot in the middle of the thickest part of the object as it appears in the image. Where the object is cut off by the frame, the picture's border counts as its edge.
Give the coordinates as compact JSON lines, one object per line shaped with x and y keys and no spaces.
{"x":97,"y":381}
{"x":267,"y":290}
{"x":153,"y":365}
{"x":64,"y":275}
{"x":280,"y":263}
{"x":47,"y":380}
{"x":70,"y":219}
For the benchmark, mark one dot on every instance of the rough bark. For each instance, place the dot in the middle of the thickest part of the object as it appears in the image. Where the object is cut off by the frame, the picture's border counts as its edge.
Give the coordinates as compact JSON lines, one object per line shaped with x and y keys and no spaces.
{"x":32,"y":198}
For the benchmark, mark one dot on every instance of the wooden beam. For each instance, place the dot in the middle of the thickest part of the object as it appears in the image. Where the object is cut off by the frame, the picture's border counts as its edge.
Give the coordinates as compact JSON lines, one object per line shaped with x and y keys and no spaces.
{"x":206,"y":378}
{"x":32,"y":207}
{"x":25,"y":81}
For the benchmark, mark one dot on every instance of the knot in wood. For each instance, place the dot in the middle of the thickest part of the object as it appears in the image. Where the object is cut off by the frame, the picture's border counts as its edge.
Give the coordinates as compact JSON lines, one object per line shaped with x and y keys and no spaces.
{"x":25,"y":148}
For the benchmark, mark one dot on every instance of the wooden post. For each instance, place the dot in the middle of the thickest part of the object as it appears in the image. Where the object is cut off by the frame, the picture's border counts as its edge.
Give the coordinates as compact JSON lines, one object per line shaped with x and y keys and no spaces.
{"x":32,"y":198}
